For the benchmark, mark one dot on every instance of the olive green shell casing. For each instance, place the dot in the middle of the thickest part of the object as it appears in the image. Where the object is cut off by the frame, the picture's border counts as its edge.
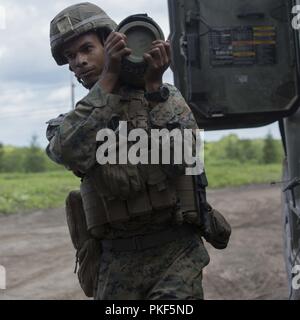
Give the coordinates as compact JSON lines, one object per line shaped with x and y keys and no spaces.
{"x":141,"y":31}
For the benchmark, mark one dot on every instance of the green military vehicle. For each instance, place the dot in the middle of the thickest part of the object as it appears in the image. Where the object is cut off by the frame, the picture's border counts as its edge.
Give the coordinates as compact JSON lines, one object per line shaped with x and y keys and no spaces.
{"x":239,"y":67}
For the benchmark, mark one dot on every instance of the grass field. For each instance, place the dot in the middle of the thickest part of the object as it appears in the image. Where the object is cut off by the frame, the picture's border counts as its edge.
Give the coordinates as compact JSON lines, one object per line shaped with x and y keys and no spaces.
{"x":222,"y":175}
{"x":27,"y":192}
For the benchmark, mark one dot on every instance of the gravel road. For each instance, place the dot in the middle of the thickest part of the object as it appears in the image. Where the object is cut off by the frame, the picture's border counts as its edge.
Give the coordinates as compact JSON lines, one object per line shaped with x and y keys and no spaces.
{"x":38,"y":255}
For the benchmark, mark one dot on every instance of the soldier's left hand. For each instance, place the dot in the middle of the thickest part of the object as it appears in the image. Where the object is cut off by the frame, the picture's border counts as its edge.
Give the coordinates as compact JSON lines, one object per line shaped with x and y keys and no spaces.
{"x":158,"y":60}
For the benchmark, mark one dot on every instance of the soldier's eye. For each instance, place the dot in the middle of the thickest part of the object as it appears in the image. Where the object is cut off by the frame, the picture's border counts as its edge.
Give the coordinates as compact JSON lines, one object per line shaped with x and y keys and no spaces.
{"x":88,"y":48}
{"x":70,"y":56}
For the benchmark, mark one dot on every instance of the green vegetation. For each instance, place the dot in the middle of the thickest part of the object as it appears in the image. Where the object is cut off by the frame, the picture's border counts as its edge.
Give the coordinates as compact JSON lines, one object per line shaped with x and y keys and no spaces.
{"x":235,"y":150}
{"x":235,"y":162}
{"x":26,"y":159}
{"x":21,"y":192}
{"x":34,"y":161}
{"x":235,"y":174}
{"x":30,"y":181}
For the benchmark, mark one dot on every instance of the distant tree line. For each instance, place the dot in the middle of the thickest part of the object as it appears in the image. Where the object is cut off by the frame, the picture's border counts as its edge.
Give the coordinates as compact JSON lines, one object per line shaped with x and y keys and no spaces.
{"x":229,"y":149}
{"x":256,"y":151}
{"x":26,"y":159}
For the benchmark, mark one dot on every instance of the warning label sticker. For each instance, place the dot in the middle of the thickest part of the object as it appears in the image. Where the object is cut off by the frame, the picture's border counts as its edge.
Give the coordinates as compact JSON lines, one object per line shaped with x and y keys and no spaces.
{"x":245,"y":45}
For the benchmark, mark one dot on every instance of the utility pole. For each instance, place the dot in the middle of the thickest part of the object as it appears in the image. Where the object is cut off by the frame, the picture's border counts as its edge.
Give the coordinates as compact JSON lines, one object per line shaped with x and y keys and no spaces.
{"x":72,"y":92}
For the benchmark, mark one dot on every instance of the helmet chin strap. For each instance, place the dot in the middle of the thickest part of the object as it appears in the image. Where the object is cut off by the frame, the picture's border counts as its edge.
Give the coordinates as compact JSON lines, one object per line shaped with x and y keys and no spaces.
{"x":82,"y":83}
{"x":80,"y":80}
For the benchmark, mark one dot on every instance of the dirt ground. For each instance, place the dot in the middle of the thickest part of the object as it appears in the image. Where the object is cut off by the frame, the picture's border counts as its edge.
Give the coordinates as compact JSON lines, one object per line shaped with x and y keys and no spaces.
{"x":39,"y":259}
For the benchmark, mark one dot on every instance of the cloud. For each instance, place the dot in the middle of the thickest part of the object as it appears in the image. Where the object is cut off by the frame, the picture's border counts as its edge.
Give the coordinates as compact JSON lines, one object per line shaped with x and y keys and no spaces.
{"x":58,"y":95}
{"x":25,"y":110}
{"x":33,"y":88}
{"x":3,"y":52}
{"x":26,"y":37}
{"x":25,"y":51}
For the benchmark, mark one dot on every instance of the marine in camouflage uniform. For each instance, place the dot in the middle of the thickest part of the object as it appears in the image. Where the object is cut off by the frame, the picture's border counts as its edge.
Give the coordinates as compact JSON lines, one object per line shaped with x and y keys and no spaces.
{"x":146,"y":253}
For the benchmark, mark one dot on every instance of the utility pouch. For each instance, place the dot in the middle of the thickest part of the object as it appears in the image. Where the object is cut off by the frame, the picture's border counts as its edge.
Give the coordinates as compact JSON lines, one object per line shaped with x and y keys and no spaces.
{"x":218,"y":231}
{"x":88,"y":250}
{"x":89,"y":263}
{"x":94,"y":207}
{"x":140,"y":205}
{"x":162,"y":196}
{"x":116,"y":211}
{"x":161,"y":192}
{"x":76,"y":219}
{"x":214,"y":227}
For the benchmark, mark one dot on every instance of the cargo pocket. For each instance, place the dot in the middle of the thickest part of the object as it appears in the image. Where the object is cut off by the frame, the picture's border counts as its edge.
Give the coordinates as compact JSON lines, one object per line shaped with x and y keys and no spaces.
{"x":140,"y":205}
{"x":199,"y":259}
{"x":162,"y":195}
{"x":197,"y":288}
{"x":94,"y":209}
{"x":89,"y":263}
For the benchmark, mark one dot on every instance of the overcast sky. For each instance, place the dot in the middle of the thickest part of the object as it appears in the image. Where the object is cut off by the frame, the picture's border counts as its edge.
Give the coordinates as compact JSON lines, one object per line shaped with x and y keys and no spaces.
{"x":32,"y":88}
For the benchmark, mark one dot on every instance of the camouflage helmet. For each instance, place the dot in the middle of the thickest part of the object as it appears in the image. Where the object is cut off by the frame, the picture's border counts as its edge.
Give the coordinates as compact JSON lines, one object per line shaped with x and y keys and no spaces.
{"x":75,"y":21}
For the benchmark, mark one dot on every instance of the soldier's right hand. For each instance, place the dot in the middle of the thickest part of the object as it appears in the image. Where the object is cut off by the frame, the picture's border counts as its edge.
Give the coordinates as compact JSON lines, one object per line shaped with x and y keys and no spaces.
{"x":114,"y":50}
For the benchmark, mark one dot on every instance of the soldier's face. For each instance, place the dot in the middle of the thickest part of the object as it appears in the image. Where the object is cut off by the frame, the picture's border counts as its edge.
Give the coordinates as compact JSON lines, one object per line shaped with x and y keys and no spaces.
{"x":85,"y":56}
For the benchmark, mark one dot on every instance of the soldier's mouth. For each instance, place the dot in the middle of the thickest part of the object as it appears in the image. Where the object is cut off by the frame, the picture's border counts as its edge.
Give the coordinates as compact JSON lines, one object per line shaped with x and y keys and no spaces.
{"x":86,"y":73}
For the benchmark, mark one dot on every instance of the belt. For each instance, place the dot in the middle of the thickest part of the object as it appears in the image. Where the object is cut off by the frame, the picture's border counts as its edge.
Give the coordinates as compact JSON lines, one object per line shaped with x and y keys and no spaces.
{"x":143,"y":242}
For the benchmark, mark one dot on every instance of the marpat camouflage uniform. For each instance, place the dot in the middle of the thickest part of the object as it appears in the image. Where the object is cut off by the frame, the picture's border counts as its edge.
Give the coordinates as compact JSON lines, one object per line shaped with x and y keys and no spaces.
{"x":170,"y":270}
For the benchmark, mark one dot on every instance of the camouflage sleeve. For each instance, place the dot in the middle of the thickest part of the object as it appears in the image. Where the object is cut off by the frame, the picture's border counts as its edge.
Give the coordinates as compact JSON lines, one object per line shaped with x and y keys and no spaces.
{"x":174,"y":114}
{"x":72,"y":137}
{"x":52,"y":129}
{"x":174,"y":111}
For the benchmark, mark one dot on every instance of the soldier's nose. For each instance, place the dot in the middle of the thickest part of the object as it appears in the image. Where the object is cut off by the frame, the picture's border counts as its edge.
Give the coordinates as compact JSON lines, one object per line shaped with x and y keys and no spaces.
{"x":81,"y":60}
